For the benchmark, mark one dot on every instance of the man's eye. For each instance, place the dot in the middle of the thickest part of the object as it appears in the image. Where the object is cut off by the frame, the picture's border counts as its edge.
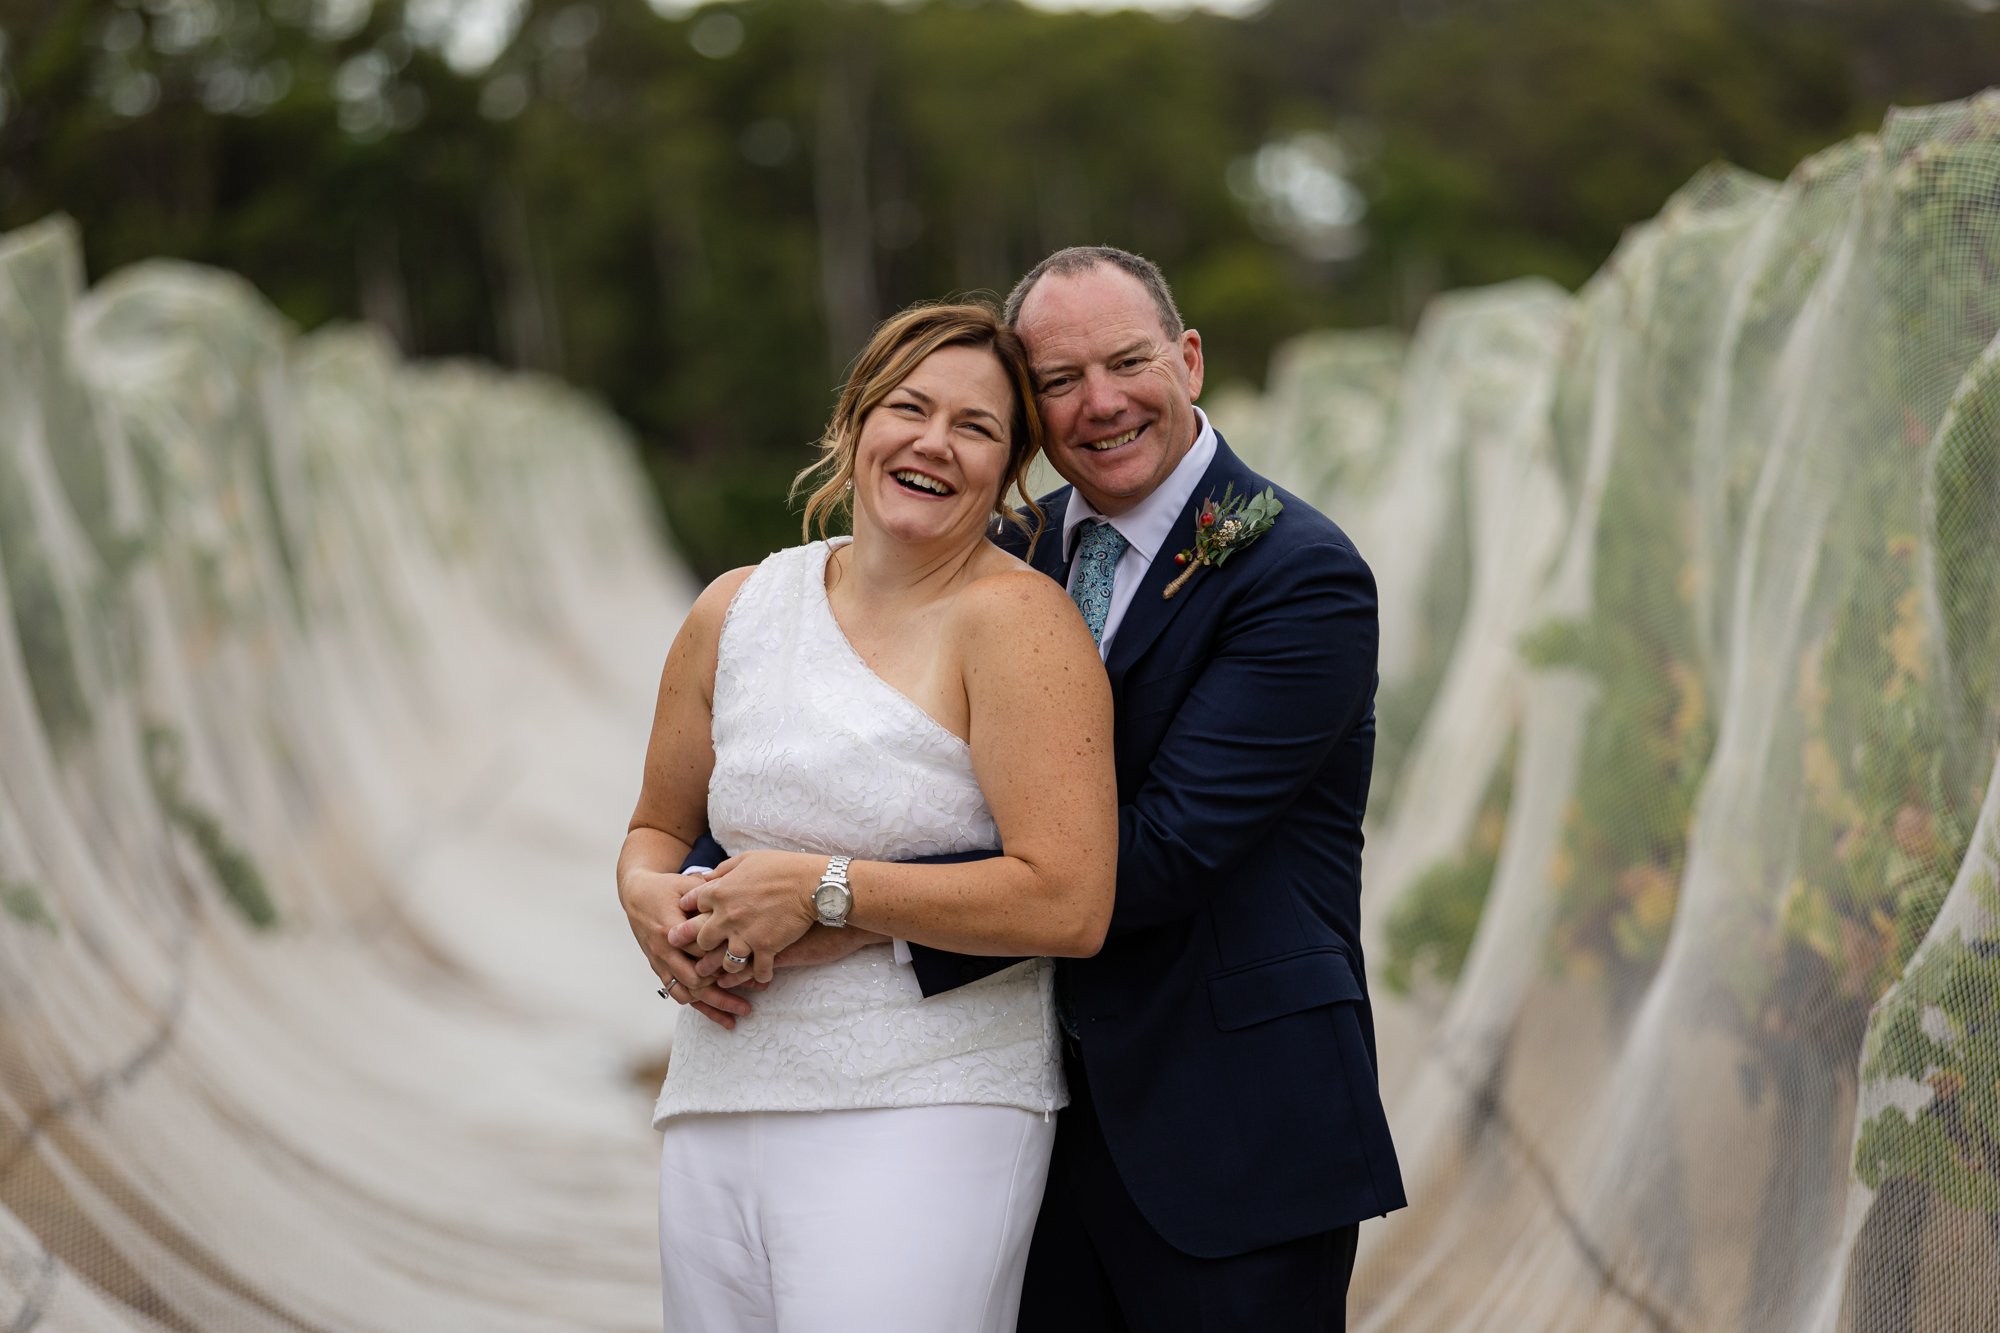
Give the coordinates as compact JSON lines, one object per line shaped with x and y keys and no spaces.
{"x":1056,"y":385}
{"x":1131,"y":361}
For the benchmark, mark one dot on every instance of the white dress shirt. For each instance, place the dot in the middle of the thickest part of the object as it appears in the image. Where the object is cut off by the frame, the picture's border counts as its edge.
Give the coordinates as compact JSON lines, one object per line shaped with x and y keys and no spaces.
{"x":1146,"y":526}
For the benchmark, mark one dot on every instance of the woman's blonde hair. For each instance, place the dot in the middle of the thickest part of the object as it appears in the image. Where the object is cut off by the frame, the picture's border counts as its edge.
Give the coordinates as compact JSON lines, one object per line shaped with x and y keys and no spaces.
{"x":898,"y":346}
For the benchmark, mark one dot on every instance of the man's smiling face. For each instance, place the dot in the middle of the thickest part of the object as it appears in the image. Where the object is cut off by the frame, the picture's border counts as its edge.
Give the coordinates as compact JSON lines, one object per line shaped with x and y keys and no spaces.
{"x":1116,"y":390}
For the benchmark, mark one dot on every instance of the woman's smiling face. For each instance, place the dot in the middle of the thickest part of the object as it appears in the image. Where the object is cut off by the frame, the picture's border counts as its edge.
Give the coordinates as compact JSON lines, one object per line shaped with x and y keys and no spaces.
{"x":932,"y":455}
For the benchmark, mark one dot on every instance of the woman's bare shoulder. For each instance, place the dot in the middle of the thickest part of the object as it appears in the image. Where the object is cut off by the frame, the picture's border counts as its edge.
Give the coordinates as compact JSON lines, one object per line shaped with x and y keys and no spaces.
{"x":1026,"y":656}
{"x":1011,"y":601}
{"x":713,"y":604}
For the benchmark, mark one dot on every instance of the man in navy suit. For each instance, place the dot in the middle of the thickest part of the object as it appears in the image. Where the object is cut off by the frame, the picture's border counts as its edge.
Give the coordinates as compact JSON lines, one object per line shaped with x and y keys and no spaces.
{"x":1225,"y":1135}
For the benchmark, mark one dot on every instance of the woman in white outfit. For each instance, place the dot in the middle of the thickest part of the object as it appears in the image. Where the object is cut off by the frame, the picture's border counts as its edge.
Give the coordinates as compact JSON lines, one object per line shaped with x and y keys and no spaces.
{"x":850,"y":1155}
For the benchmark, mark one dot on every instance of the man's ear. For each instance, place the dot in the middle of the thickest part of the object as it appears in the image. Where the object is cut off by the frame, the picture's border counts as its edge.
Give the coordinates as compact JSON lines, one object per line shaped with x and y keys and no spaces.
{"x":1191,"y":358}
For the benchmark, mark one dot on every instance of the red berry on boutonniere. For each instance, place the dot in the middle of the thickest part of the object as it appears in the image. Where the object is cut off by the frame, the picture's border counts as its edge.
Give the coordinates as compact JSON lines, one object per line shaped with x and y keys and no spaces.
{"x":1243,"y":520}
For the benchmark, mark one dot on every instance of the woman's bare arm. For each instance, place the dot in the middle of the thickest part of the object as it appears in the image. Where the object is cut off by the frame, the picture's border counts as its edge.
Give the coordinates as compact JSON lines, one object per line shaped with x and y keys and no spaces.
{"x":1040,"y":710}
{"x":673,"y":799}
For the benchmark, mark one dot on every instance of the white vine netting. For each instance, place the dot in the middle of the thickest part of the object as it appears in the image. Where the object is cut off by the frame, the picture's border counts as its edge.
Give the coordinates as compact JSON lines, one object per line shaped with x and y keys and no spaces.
{"x":323,"y":691}
{"x":329,"y":676}
{"x":1681,"y":881}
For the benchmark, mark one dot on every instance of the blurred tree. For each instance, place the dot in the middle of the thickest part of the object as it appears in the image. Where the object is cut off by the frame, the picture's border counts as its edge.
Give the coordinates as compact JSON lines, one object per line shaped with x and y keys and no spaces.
{"x":700,"y":216}
{"x":1525,"y":138}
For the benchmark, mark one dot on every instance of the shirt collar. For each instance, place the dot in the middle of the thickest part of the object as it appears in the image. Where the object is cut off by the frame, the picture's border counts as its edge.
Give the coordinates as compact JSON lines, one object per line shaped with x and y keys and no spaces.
{"x":1148,"y":524}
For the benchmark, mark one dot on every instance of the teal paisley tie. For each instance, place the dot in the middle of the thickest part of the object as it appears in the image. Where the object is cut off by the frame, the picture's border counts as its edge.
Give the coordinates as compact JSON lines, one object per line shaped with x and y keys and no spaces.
{"x":1097,"y":555}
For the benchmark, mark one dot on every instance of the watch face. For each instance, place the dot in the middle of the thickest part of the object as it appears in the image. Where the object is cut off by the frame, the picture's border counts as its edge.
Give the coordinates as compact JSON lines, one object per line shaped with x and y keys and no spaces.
{"x":830,"y":900}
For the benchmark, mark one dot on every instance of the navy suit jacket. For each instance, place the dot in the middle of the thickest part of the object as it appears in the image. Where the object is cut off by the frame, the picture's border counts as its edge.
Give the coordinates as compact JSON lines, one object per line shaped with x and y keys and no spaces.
{"x":1225,"y":1027}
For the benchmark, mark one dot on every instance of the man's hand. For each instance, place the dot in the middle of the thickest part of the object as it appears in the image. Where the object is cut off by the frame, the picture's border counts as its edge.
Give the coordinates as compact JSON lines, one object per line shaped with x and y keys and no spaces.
{"x":652,"y":902}
{"x":750,"y":909}
{"x":821,"y":944}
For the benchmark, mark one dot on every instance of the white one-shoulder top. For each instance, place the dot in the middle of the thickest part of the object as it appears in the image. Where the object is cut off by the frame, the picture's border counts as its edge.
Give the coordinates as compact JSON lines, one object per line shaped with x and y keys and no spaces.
{"x":815,"y":752}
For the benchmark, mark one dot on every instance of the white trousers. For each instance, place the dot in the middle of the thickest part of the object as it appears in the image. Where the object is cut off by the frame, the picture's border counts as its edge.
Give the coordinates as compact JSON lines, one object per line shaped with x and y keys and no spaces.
{"x":914,"y":1219}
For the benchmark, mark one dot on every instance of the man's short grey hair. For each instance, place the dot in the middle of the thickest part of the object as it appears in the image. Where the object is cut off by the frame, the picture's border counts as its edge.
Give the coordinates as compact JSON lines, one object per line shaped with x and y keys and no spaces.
{"x":1077,"y":259}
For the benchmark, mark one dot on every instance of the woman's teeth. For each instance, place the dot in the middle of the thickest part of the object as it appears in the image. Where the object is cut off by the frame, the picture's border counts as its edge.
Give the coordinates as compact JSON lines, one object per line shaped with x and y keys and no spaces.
{"x":1099,"y":446}
{"x":918,"y":481}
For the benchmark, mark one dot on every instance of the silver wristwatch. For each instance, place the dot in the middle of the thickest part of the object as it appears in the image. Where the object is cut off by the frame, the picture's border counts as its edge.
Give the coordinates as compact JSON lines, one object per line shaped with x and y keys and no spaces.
{"x":833,"y":900}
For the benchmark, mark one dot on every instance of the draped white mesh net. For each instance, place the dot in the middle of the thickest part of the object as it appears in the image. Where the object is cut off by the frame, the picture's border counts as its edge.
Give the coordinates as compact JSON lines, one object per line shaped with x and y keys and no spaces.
{"x":323,"y":691}
{"x":323,"y":681}
{"x":1681,"y":882}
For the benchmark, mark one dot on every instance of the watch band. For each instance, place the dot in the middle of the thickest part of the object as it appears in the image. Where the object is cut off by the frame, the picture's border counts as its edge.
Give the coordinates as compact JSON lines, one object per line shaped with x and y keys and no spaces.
{"x":833,"y":908}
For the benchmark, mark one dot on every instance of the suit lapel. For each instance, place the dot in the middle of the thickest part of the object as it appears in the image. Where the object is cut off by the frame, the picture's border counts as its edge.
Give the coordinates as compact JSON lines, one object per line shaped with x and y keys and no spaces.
{"x":1048,"y":555}
{"x":1151,"y":611}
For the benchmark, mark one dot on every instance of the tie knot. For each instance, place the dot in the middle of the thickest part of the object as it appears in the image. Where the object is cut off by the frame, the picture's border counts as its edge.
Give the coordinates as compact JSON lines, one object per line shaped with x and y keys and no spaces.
{"x":1101,"y":542}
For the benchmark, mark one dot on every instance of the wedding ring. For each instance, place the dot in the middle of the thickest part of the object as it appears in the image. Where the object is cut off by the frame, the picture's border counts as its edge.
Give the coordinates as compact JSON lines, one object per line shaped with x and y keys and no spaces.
{"x":729,"y":957}
{"x":667,"y":991}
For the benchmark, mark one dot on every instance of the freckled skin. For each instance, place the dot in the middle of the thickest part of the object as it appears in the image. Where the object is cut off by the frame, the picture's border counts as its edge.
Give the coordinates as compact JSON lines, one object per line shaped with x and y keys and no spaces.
{"x":1016,"y":633}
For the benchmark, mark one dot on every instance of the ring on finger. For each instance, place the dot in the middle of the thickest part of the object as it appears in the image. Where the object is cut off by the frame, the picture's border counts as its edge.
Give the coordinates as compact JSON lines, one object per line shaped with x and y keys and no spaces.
{"x":667,"y":991}
{"x":729,"y":957}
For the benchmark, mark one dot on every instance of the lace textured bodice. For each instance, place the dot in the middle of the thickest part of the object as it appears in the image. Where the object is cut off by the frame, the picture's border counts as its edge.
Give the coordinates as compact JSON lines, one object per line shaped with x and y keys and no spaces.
{"x":815,"y":752}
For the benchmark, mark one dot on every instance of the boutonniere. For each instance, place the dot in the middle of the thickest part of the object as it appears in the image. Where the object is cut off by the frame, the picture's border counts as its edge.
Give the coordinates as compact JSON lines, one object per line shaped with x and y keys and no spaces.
{"x":1223,"y":528}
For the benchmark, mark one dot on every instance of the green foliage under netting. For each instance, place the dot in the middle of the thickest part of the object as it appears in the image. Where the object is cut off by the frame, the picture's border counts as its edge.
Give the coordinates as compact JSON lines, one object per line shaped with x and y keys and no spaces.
{"x":1617,"y":874}
{"x":1890,"y":784}
{"x":1430,"y":930}
{"x":24,"y":903}
{"x":39,"y":622}
{"x":1943,"y":291}
{"x":1965,"y":531}
{"x":1891,"y":776}
{"x":242,"y":883}
{"x":1953,"y":1143}
{"x":1887,"y":820}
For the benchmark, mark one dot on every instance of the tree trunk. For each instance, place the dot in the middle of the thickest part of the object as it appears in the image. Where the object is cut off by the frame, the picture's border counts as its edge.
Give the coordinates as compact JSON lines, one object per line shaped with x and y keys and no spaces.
{"x":385,"y":296}
{"x":525,"y":322}
{"x":840,"y":203}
